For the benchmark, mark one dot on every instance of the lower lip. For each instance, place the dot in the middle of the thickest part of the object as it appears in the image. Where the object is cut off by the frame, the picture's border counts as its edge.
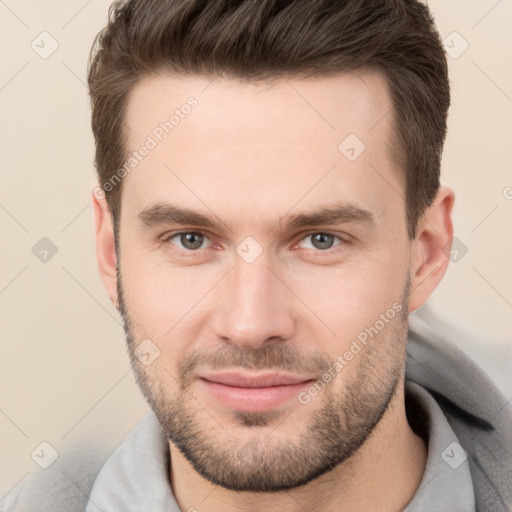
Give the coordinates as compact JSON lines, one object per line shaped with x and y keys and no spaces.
{"x":253,"y":399}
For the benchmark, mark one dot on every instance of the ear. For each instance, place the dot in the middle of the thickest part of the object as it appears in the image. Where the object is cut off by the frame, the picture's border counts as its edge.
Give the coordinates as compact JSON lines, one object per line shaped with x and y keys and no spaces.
{"x":431,"y":248}
{"x":105,"y":245}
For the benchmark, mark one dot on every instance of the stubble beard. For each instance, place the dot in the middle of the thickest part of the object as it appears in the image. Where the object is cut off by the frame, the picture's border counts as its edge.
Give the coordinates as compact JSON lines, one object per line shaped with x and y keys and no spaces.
{"x":259,"y":462}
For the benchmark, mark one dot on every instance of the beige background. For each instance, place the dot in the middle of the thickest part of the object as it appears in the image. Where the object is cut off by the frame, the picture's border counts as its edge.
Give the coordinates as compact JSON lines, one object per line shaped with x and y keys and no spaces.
{"x":64,"y":371}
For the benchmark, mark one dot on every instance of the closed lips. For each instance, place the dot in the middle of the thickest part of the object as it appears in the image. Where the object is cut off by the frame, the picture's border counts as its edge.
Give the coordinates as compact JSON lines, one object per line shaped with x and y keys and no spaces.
{"x":254,"y":381}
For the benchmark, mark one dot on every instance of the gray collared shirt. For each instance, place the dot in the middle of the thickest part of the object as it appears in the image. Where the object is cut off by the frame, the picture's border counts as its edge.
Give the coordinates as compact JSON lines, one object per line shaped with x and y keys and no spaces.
{"x":136,"y":476}
{"x":446,"y":485}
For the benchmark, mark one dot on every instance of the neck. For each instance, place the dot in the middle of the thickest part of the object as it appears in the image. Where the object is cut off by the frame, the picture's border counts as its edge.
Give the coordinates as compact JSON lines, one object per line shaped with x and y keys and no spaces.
{"x":383,"y":475}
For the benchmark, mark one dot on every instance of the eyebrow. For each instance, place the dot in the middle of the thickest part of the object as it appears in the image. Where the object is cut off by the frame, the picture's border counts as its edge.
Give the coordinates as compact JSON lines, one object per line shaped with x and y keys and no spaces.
{"x":336,"y":214}
{"x":165,"y":213}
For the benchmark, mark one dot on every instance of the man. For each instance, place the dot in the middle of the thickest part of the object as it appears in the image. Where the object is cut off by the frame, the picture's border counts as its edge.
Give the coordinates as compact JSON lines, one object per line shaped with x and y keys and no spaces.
{"x":269,"y":215}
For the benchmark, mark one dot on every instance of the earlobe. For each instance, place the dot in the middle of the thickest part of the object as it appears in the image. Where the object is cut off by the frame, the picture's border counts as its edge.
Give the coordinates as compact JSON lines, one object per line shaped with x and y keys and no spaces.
{"x":105,"y":246}
{"x":430,"y":248}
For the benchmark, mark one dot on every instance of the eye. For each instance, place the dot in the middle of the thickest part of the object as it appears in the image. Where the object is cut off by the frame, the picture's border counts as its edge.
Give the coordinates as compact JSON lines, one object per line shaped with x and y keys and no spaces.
{"x":188,"y":240}
{"x":321,"y":241}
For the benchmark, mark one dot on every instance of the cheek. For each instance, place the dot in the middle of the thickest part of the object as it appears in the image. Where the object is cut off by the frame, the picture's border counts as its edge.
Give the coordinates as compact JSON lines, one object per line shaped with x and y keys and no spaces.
{"x":155,"y":290}
{"x":166,"y":303}
{"x":351,"y":298}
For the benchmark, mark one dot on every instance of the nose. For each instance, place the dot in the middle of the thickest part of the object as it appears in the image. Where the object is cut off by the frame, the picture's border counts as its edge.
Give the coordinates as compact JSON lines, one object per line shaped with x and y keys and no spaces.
{"x":255,"y":307}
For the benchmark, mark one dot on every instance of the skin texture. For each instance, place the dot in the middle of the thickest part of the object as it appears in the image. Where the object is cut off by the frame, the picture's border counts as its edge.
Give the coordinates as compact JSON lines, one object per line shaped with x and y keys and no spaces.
{"x":250,"y":156}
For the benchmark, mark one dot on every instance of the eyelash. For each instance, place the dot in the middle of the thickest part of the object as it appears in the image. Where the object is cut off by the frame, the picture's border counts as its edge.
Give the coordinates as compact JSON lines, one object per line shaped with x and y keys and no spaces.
{"x":193,"y":253}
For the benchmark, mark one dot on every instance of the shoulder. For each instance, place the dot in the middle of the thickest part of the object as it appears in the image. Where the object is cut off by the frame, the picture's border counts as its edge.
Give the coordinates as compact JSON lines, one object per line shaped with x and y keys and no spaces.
{"x":445,"y":358}
{"x":63,"y":487}
{"x":448,"y":344}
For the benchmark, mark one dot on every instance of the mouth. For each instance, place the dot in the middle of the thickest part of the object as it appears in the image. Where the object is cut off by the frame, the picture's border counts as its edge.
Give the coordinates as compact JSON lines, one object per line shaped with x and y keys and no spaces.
{"x":253,"y":392}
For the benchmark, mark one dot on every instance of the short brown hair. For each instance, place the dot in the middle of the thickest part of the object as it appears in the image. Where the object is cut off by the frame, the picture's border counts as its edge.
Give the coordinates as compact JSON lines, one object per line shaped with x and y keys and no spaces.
{"x":268,"y":39}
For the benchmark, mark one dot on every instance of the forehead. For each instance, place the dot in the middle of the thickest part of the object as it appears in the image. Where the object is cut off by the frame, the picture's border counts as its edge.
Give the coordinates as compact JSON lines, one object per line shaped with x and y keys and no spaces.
{"x":268,"y":138}
{"x":327,"y":107}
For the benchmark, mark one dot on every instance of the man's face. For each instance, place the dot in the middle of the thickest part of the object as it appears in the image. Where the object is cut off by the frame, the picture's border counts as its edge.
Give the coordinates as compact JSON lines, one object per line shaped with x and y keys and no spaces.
{"x":260,"y":294}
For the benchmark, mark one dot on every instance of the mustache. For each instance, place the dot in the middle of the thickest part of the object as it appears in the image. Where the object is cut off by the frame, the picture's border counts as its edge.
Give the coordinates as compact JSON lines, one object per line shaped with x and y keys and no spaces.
{"x":268,"y":357}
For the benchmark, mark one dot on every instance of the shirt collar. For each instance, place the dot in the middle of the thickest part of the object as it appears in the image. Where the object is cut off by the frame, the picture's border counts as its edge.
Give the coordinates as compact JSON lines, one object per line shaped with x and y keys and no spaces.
{"x":446,"y":485}
{"x":136,"y":476}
